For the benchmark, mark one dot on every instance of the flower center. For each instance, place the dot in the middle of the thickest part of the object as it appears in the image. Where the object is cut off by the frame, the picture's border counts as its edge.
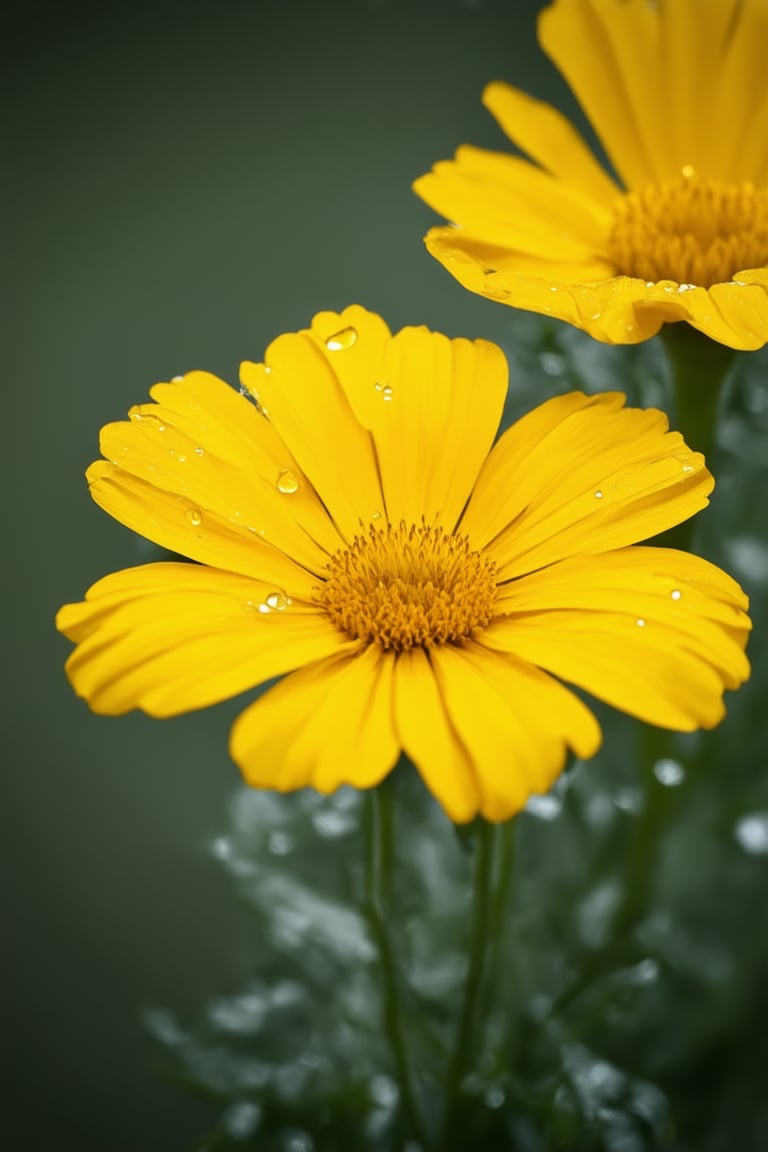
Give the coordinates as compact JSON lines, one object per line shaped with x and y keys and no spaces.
{"x":409,"y":587}
{"x":691,"y":230}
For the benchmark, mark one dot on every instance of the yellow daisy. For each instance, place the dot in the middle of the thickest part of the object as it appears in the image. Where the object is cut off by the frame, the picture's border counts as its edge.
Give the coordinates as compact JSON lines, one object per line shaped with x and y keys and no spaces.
{"x":357,"y":528}
{"x":676,"y":92}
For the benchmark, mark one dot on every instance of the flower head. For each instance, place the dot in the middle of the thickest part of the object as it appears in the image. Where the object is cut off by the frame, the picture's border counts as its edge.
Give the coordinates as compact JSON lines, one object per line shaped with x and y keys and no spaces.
{"x":676,"y":93}
{"x":354,"y":525}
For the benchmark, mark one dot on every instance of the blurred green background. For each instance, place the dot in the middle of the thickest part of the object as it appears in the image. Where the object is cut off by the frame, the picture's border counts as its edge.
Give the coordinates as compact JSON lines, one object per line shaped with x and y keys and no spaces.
{"x":187,"y":181}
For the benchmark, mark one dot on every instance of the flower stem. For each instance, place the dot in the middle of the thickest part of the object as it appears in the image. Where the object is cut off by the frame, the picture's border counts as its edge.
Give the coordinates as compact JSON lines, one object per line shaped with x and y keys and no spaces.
{"x":494,"y":847}
{"x":697,"y":366}
{"x":379,"y":856}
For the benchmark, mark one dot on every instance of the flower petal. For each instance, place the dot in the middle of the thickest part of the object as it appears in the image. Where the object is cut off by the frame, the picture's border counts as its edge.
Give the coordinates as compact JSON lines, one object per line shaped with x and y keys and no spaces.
{"x":325,"y":725}
{"x":406,"y":386}
{"x":549,"y":138}
{"x":199,"y":472}
{"x":299,"y":388}
{"x":608,"y":53}
{"x":515,"y":722}
{"x":508,"y":202}
{"x":734,"y":314}
{"x":655,"y":632}
{"x":581,"y":474}
{"x":429,"y":739}
{"x":170,"y":638}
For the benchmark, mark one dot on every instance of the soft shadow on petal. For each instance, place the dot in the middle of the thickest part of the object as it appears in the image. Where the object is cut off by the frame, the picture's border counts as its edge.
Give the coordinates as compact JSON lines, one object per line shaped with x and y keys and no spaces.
{"x":430,"y":740}
{"x":170,"y":638}
{"x":581,"y":474}
{"x":328,"y":724}
{"x":515,"y":722}
{"x":201,"y":463}
{"x":549,"y":138}
{"x":654,"y":632}
{"x":298,"y":388}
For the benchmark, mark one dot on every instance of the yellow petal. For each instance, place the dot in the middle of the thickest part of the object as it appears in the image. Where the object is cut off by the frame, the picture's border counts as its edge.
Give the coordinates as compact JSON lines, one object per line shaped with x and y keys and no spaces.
{"x":434,"y":427}
{"x":213,"y":538}
{"x":608,"y":53}
{"x":169,"y":638}
{"x":326,"y":725}
{"x":580,"y":474}
{"x":515,"y":722}
{"x":299,"y":388}
{"x":419,"y":414}
{"x":428,"y":737}
{"x":549,"y":138}
{"x":514,"y":205}
{"x":654,"y":632}
{"x":734,"y":313}
{"x":201,"y":470}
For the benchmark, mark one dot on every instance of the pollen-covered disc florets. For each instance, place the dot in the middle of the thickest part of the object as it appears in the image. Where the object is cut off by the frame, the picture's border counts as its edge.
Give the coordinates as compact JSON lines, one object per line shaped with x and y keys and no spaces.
{"x":409,"y":586}
{"x":691,"y":230}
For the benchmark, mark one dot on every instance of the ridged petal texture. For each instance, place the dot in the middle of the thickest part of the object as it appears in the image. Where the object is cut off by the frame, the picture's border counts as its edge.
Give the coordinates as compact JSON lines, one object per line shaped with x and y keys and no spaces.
{"x":675,"y":88}
{"x":378,"y":450}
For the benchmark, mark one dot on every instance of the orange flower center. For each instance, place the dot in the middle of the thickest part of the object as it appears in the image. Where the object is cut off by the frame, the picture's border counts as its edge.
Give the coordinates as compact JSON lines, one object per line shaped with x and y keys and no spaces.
{"x":409,"y":587}
{"x":691,"y":230}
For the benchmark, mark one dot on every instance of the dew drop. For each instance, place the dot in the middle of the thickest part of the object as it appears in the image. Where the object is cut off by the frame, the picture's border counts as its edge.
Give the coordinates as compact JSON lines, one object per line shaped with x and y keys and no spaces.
{"x":263,"y":609}
{"x":249,"y":606}
{"x":277,"y":601}
{"x":176,"y":379}
{"x":385,"y":390}
{"x":685,"y":287}
{"x":650,"y":283}
{"x":675,"y":594}
{"x":553,"y":287}
{"x":195,"y":517}
{"x":670,"y":773}
{"x":341,"y":340}
{"x":198,"y":451}
{"x":596,"y":314}
{"x":688,"y":468}
{"x":375,"y":515}
{"x":751,"y":831}
{"x":287,"y":482}
{"x":640,"y":622}
{"x":687,"y":171}
{"x":598,"y":495}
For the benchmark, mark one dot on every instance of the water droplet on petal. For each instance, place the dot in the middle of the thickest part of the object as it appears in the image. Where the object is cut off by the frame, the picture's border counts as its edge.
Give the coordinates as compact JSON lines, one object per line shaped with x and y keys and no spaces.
{"x":341,"y":340}
{"x":685,"y":287}
{"x":640,"y":622}
{"x":264,"y":609}
{"x":195,"y":517}
{"x":287,"y":482}
{"x":598,"y":495}
{"x":176,"y":379}
{"x":385,"y":390}
{"x":675,"y":594}
{"x":553,"y":287}
{"x":375,"y":515}
{"x":198,"y":451}
{"x":650,"y":283}
{"x":277,"y":601}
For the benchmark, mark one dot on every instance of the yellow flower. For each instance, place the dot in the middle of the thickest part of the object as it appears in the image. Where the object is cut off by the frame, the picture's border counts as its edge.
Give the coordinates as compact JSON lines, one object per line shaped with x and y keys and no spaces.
{"x":356,"y":525}
{"x":676,"y":93}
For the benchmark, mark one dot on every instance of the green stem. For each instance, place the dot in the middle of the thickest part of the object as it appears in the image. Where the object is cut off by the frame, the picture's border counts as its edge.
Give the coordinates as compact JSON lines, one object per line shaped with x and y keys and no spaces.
{"x":379,"y":856}
{"x":494,"y":847}
{"x":697,"y":366}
